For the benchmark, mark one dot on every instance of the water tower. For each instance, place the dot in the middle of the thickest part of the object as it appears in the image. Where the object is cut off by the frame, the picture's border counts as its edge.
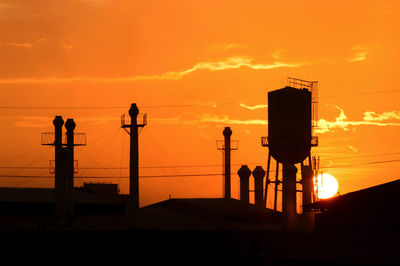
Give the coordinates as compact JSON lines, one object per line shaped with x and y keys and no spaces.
{"x":291,"y":118}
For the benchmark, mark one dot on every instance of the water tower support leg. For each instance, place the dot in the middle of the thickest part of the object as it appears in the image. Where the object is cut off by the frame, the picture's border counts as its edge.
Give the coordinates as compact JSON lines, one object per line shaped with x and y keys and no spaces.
{"x":289,"y":196}
{"x":267,"y":180}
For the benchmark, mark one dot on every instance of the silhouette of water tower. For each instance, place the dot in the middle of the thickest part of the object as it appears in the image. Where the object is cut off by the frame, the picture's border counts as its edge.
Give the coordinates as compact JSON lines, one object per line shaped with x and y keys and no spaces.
{"x":291,"y":118}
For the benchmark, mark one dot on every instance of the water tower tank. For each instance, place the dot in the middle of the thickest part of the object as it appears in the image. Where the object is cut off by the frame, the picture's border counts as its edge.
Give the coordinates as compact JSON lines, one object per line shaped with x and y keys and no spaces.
{"x":289,"y":124}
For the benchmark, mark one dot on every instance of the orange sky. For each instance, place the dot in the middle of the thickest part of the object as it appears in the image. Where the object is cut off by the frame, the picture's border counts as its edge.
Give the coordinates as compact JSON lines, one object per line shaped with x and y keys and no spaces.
{"x":214,"y":57}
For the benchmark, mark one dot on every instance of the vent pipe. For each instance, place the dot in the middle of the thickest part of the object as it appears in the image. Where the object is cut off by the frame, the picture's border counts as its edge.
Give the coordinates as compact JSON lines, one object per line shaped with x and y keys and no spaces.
{"x":244,"y":175}
{"x":227,"y":147}
{"x":258,"y":174}
{"x":69,"y":163}
{"x":59,"y":178}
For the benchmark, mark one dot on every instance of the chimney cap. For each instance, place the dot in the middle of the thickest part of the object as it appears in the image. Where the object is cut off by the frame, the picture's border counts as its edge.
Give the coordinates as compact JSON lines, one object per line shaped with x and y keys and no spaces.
{"x":70,"y":124}
{"x":58,"y":121}
{"x":134,"y":110}
{"x":227,"y":132}
{"x":244,"y":172}
{"x":258,"y":172}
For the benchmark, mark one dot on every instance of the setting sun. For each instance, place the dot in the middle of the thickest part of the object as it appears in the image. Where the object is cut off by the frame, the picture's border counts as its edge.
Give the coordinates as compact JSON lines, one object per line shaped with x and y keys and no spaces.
{"x":327,"y":186}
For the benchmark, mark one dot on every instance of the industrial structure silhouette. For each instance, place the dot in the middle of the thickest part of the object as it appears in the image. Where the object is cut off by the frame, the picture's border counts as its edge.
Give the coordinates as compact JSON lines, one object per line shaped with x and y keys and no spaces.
{"x":264,"y":234}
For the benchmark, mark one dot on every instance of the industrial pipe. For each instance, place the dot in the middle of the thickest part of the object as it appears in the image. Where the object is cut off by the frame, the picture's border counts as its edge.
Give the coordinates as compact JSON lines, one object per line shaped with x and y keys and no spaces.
{"x":244,"y":174}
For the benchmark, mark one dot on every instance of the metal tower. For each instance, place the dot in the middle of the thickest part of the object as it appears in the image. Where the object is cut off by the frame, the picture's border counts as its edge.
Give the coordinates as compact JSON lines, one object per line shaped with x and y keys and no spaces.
{"x":226,"y":146}
{"x":133,"y":130}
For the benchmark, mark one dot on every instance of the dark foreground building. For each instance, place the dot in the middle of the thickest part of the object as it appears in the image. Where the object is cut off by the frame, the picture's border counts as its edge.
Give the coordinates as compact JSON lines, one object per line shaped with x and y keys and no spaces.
{"x":358,"y":227}
{"x":361,"y":226}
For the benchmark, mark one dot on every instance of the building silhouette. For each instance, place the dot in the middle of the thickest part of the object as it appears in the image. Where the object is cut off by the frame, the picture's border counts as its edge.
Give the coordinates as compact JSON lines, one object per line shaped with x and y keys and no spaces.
{"x":357,"y":227}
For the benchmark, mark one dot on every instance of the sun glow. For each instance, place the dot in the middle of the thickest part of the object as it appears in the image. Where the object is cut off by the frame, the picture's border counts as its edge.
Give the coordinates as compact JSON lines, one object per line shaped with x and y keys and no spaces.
{"x":326,"y":186}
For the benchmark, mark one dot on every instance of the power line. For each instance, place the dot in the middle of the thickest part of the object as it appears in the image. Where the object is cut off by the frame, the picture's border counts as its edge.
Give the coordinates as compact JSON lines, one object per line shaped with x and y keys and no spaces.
{"x":127,"y":167}
{"x":97,"y":177}
{"x":121,"y":107}
{"x":367,"y":163}
{"x":179,"y":105}
{"x":361,"y":93}
{"x":192,"y":175}
{"x":195,"y":165}
{"x":360,"y":156}
{"x":61,"y":107}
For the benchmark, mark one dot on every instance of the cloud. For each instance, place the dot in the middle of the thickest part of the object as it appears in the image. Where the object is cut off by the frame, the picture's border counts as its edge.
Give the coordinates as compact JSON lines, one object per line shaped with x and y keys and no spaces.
{"x":225,"y":47}
{"x":360,"y":53}
{"x":323,"y":126}
{"x":46,"y":121}
{"x":94,"y":2}
{"x":209,"y":118}
{"x":369,"y":119}
{"x":67,"y":46}
{"x":254,"y":107}
{"x":352,"y":148}
{"x":228,"y":63}
{"x":226,"y":120}
{"x":24,"y":44}
{"x":277,"y":54}
{"x":372,"y":116}
{"x":33,"y":121}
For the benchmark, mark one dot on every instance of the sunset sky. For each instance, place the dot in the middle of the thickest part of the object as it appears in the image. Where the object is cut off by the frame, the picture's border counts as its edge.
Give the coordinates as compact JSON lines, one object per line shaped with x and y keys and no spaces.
{"x":196,"y":67}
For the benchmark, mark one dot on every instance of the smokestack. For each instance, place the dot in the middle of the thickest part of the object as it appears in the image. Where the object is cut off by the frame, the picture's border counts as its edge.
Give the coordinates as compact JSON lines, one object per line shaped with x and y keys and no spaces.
{"x":134,"y":157}
{"x":244,"y":174}
{"x":289,"y":196}
{"x":69,"y":162}
{"x":308,"y":191}
{"x":258,"y":174}
{"x":227,"y":144}
{"x":59,"y":179}
{"x":64,"y":164}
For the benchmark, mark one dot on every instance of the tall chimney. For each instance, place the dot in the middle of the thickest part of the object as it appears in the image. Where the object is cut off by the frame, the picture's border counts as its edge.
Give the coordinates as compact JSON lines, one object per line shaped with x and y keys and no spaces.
{"x":69,"y":162}
{"x":289,"y":196}
{"x":134,"y":157}
{"x":227,"y":152}
{"x":59,"y":179}
{"x":258,"y":174}
{"x":244,"y":174}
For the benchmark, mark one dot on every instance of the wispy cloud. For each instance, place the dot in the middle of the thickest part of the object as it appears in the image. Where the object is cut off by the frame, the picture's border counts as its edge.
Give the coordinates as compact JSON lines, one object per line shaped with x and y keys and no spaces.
{"x":21,"y":44}
{"x":352,"y":148}
{"x":67,"y":46}
{"x":24,"y":44}
{"x":254,"y":107}
{"x":46,"y":121}
{"x":225,"y":47}
{"x":227,"y":64}
{"x":372,"y":116}
{"x":277,"y":54}
{"x":33,"y":121}
{"x":323,"y":126}
{"x":226,"y":120}
{"x":369,"y":119}
{"x":360,"y":53}
{"x":209,"y":118}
